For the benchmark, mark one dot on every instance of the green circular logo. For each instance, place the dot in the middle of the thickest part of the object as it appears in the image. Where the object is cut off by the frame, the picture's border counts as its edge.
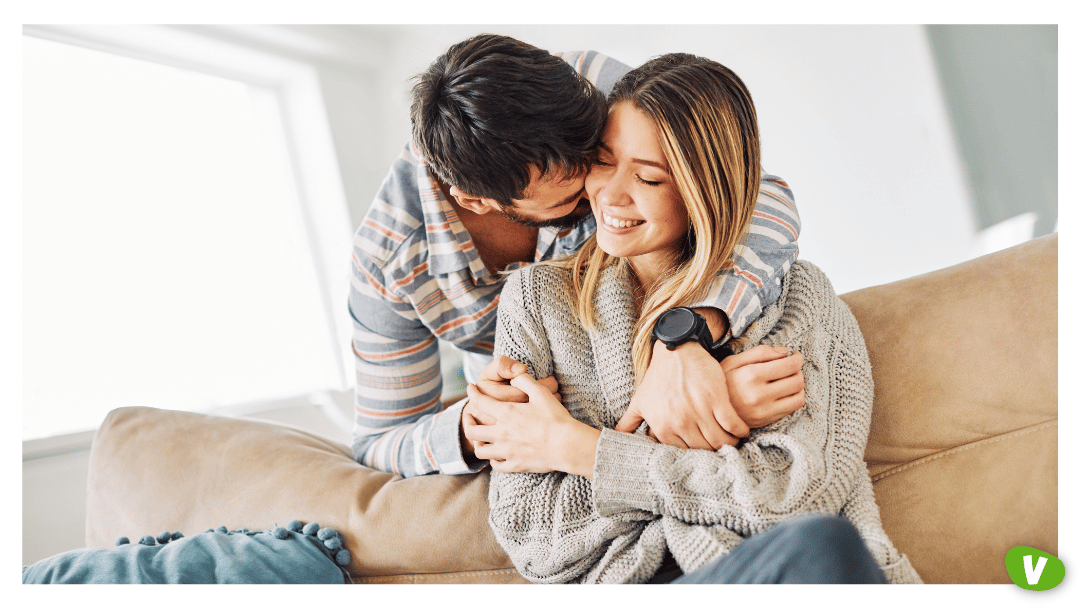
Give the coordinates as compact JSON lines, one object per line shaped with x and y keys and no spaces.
{"x":1032,"y":569}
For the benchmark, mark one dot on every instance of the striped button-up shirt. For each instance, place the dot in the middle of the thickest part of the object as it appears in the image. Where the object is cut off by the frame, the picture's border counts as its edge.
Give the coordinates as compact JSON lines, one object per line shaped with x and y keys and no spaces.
{"x":417,"y":279}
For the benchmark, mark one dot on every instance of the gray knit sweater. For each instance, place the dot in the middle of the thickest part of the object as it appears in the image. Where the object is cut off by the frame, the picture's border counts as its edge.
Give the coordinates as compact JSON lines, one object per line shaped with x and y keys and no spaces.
{"x":647,"y":497}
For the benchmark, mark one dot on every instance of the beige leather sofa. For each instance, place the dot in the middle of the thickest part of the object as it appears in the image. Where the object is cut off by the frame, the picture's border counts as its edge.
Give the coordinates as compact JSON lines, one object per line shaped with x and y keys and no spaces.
{"x":963,"y":448}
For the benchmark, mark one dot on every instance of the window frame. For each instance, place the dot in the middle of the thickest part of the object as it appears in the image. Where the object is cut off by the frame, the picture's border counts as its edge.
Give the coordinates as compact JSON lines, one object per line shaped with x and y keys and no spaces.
{"x":312,"y":158}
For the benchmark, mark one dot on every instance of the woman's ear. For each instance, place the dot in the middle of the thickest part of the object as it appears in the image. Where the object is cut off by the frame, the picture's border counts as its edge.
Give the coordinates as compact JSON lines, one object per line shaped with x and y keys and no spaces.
{"x":473,"y":203}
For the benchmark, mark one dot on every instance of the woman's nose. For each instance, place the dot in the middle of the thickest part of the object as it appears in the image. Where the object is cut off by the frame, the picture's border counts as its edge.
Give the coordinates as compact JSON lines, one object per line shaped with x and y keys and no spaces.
{"x":610,"y":191}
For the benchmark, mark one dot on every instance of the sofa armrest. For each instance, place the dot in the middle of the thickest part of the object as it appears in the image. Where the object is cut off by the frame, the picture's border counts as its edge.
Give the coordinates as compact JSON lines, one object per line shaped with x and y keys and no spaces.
{"x":154,"y":470}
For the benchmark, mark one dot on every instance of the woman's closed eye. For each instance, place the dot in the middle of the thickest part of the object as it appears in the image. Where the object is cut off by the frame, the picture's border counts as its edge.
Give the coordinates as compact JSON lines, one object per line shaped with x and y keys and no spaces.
{"x":646,"y":181}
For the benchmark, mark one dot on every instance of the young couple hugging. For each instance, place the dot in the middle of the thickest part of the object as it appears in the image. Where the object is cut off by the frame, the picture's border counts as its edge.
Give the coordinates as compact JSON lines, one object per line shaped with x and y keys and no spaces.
{"x":662,"y":392}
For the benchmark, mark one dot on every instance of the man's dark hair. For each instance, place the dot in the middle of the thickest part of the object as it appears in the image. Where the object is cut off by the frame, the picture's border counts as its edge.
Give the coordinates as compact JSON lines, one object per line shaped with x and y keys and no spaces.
{"x":491,"y":106}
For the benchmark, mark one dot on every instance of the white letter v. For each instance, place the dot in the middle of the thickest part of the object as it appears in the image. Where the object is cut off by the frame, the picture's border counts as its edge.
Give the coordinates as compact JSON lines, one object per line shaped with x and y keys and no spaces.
{"x":1033,"y":575}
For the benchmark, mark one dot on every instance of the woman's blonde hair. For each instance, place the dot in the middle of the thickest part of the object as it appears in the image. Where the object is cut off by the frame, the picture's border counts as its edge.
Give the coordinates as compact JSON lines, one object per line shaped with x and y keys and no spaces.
{"x":708,"y":130}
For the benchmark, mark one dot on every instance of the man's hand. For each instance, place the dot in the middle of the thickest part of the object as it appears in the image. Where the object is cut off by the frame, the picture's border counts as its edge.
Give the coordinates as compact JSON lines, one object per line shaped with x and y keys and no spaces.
{"x":470,"y":417}
{"x":765,"y":384}
{"x":494,"y":381}
{"x":684,"y":398}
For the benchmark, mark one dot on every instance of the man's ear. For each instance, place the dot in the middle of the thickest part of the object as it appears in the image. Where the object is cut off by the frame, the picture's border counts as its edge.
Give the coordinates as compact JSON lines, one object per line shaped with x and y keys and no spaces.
{"x":475,"y":204}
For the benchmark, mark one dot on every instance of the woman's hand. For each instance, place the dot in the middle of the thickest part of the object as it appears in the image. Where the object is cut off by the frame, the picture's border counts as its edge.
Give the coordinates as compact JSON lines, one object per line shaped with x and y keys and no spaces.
{"x":494,"y":381}
{"x":765,"y":384}
{"x":537,"y":436}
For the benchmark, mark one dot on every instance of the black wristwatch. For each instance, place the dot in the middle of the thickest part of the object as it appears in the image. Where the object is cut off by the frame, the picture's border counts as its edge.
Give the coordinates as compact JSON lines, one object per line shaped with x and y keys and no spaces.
{"x":681,"y":325}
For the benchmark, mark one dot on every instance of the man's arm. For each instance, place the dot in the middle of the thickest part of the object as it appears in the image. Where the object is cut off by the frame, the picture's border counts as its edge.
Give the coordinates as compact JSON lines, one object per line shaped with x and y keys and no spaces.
{"x":751,"y":280}
{"x":400,"y":424}
{"x":684,"y":395}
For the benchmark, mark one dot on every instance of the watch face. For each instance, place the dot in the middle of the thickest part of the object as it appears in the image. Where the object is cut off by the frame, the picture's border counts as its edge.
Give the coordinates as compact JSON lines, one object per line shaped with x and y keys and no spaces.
{"x":675,"y":324}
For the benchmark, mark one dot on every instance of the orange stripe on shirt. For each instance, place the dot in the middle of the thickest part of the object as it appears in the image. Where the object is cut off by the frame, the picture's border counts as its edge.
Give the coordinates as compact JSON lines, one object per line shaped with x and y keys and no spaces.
{"x":432,"y":300}
{"x":735,"y":270}
{"x":749,"y":276}
{"x":786,"y":202}
{"x":394,"y":448}
{"x":383,"y":230}
{"x":363,"y":411}
{"x":397,"y":383}
{"x":735,"y":298}
{"x":375,"y":284}
{"x":370,"y":356}
{"x":409,"y":278}
{"x":459,"y":289}
{"x":775,"y":219}
{"x":463,"y":320}
{"x":427,"y":445}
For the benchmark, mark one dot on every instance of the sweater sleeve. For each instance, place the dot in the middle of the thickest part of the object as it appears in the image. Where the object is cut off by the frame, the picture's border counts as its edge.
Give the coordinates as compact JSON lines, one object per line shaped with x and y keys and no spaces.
{"x":546,"y":522}
{"x":807,"y":462}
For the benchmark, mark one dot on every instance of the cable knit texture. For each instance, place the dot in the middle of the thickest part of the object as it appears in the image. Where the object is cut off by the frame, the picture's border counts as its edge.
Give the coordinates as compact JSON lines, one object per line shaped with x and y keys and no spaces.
{"x":647,"y":497}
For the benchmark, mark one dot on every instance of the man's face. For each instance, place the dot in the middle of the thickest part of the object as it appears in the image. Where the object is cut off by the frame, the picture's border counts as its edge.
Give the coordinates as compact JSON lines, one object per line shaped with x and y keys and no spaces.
{"x":553,"y":201}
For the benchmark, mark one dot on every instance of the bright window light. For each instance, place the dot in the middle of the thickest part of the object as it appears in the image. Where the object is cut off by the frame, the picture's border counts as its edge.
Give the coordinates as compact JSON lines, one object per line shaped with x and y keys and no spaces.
{"x":166,"y":262}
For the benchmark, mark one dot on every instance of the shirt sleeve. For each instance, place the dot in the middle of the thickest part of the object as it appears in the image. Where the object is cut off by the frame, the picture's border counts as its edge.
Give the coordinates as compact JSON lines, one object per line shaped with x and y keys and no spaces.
{"x":400,"y":424}
{"x":599,"y":69}
{"x":752,"y":279}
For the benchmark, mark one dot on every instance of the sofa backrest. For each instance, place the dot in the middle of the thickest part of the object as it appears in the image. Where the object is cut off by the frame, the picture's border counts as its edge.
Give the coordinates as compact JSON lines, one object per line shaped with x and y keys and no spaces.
{"x":963,"y":442}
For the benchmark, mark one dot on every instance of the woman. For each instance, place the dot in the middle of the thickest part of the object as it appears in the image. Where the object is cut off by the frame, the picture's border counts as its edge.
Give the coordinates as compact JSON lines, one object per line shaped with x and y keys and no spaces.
{"x":672,"y":191}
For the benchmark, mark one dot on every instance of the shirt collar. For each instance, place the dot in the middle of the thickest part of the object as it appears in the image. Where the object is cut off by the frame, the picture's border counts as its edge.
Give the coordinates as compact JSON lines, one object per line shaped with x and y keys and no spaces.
{"x":450,"y":247}
{"x":554,"y":243}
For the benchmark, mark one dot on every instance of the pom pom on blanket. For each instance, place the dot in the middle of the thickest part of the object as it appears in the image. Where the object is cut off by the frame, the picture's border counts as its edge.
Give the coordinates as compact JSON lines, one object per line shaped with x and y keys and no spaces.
{"x":279,"y":555}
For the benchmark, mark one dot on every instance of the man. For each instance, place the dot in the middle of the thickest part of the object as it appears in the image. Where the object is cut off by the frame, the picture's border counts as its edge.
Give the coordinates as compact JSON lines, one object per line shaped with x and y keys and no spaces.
{"x":503,"y":135}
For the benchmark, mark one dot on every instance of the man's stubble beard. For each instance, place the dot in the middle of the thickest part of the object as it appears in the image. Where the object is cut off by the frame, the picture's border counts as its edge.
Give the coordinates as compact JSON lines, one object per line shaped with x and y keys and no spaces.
{"x":567,"y":221}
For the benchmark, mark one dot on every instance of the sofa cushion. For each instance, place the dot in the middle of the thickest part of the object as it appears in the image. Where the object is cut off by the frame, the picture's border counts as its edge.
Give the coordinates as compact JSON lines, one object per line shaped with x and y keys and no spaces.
{"x":156,"y":469}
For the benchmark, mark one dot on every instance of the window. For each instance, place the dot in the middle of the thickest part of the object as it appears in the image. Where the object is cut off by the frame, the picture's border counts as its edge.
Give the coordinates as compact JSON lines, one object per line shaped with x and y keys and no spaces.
{"x":170,"y":256}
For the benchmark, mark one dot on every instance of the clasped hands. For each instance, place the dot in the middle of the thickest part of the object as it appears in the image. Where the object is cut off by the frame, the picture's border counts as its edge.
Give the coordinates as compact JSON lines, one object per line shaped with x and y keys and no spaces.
{"x":519,"y":424}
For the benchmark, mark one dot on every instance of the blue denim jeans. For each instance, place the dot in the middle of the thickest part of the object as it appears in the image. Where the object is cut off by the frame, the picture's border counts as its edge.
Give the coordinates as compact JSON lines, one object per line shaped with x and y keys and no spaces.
{"x":807,"y":549}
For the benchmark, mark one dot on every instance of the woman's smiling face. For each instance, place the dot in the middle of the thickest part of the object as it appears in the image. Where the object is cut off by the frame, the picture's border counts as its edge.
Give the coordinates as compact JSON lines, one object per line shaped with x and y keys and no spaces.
{"x":639,"y":212}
